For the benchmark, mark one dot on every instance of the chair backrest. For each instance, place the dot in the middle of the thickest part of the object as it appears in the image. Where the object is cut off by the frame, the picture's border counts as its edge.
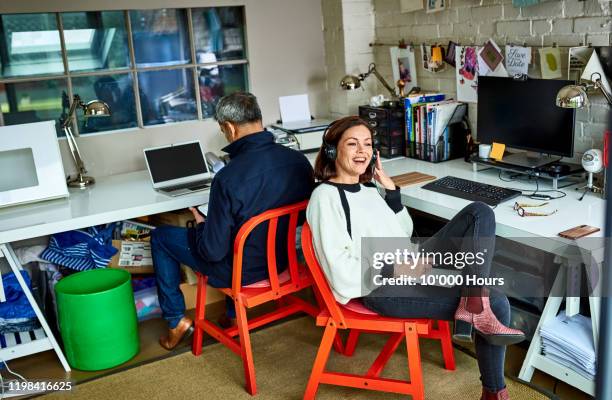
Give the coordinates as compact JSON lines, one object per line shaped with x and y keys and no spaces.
{"x":271,"y":216}
{"x":320,"y":281}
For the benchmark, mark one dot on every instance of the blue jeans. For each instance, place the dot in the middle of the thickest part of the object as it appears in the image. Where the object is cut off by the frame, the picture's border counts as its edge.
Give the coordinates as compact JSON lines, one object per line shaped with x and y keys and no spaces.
{"x":471,"y":230}
{"x":170,"y":248}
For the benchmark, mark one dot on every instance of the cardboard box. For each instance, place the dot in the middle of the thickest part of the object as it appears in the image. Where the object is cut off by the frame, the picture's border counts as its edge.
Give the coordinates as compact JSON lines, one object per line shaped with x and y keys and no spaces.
{"x":190,"y":292}
{"x":133,"y":256}
{"x":174,"y":218}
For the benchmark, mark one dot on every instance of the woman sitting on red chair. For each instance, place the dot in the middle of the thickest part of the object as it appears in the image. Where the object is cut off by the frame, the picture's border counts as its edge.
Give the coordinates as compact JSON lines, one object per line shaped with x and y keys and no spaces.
{"x":346,"y":207}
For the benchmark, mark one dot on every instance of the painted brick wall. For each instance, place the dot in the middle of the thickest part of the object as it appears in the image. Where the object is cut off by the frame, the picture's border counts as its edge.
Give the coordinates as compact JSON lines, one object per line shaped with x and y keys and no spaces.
{"x":564,"y":22}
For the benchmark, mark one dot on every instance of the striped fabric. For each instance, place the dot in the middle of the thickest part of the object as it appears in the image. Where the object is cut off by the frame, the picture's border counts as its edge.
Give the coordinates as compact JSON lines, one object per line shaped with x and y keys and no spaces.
{"x":81,"y":249}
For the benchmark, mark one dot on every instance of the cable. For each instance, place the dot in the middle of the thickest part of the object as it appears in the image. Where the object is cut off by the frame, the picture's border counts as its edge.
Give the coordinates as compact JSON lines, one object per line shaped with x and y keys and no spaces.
{"x":534,"y":194}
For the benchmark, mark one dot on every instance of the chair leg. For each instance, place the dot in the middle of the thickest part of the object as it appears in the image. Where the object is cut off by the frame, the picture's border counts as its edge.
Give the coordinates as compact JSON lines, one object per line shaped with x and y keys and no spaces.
{"x":447,"y":345}
{"x":198,"y":333}
{"x":414,"y":361}
{"x":338,"y":345}
{"x":246,"y":352}
{"x":320,"y":361}
{"x":351,"y":342}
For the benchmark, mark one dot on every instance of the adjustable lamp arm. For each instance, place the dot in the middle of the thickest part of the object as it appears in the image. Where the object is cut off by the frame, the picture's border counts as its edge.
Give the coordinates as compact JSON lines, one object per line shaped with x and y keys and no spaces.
{"x":372,"y":70}
{"x":597,"y":82}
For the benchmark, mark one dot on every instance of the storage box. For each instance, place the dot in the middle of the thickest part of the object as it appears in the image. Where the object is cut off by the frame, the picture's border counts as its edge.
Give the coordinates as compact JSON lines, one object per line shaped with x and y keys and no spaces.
{"x":174,"y":218}
{"x":133,"y":256}
{"x":190,"y":292}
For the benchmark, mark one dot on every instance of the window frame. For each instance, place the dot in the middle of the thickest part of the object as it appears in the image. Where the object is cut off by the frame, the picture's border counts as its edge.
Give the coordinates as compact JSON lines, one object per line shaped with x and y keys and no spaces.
{"x":133,"y":69}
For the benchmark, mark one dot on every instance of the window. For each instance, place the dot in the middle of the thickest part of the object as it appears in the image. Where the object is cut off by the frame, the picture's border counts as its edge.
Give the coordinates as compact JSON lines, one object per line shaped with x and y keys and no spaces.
{"x":150,"y":66}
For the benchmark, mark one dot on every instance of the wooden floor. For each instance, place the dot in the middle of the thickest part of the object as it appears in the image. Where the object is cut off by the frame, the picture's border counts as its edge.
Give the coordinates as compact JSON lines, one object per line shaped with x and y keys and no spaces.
{"x":46,"y":366}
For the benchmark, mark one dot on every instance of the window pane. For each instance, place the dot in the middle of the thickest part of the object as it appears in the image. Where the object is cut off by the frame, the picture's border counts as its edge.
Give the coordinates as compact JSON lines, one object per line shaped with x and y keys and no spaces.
{"x":160,"y":37}
{"x":218,"y":81}
{"x":218,"y":33}
{"x":115,"y":90}
{"x":95,"y":40}
{"x":167,"y":96}
{"x":29,"y":45}
{"x":32,"y":101}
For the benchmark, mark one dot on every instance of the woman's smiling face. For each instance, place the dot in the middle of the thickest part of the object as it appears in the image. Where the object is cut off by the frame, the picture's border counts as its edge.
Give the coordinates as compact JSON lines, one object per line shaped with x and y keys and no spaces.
{"x":354,"y":152}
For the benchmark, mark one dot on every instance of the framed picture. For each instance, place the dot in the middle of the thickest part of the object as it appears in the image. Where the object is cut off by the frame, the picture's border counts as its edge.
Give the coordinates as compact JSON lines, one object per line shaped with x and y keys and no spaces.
{"x":435,"y":5}
{"x":403,"y":64}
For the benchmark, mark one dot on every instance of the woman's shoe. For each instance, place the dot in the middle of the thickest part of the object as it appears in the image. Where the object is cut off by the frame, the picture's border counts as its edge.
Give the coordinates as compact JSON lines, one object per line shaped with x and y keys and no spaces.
{"x":501,"y":395}
{"x":474,"y":313}
{"x":175,"y":335}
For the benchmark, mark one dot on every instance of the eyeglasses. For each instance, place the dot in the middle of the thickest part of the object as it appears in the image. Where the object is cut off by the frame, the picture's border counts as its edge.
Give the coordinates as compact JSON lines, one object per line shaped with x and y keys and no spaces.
{"x":520,"y":209}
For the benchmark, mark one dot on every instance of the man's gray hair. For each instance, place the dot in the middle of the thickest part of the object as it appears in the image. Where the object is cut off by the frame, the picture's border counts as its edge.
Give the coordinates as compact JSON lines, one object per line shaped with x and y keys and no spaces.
{"x":238,"y":108}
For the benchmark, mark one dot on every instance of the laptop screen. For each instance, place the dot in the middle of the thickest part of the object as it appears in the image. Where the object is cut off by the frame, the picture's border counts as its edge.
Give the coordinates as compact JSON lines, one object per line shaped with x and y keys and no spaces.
{"x":174,"y":162}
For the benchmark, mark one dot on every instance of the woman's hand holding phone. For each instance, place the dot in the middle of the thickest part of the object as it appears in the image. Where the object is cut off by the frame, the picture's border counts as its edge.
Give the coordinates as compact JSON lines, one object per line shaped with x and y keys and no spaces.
{"x":381,"y":176}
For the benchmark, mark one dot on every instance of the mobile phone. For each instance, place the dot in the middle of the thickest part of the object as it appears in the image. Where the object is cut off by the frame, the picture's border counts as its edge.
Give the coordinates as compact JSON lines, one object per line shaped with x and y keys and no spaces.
{"x":203,"y":209}
{"x":578,"y":231}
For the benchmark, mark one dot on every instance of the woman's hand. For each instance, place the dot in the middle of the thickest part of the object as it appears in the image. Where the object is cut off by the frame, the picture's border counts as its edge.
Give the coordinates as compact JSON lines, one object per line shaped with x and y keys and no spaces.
{"x":381,"y":176}
{"x":196,"y":215}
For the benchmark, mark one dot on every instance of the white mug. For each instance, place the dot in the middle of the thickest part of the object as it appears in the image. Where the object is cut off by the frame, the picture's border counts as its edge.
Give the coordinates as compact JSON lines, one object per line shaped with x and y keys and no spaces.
{"x":484,"y":150}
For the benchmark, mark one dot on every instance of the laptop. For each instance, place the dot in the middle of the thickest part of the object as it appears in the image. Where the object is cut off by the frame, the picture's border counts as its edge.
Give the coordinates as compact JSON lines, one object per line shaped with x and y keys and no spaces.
{"x":178,"y":169}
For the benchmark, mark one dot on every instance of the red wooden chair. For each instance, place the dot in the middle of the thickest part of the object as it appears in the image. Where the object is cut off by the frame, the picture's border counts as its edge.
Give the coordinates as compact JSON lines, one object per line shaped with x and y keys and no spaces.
{"x":356,"y":317}
{"x":279,"y":287}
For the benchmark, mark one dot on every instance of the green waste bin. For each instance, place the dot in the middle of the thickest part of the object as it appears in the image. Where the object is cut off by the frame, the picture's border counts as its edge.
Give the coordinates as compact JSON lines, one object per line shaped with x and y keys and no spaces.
{"x":97,"y":318}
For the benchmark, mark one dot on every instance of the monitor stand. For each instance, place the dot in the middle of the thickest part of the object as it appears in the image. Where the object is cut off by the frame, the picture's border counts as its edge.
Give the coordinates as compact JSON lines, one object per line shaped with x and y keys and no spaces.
{"x":529,"y":160}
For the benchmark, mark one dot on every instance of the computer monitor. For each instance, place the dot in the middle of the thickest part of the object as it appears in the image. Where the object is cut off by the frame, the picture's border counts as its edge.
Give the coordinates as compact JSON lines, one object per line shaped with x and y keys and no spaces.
{"x":522,"y":114}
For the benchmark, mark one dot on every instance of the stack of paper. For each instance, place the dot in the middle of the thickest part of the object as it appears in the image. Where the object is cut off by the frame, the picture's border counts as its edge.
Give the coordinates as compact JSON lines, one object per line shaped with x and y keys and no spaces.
{"x":569,"y":341}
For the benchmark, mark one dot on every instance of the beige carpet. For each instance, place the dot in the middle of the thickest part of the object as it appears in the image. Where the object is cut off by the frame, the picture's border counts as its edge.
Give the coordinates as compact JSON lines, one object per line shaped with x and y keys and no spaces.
{"x":283,"y":358}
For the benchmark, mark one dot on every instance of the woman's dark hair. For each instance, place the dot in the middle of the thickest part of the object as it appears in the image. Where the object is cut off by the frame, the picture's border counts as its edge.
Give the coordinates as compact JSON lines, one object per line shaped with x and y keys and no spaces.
{"x":325,"y":168}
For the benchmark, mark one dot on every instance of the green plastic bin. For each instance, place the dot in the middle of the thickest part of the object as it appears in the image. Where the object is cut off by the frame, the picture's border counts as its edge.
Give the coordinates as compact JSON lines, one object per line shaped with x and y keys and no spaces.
{"x":97,"y":318}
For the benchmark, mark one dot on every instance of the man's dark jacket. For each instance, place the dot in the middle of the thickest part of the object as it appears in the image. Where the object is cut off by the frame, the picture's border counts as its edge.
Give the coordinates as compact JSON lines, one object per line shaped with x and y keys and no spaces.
{"x":261,"y":175}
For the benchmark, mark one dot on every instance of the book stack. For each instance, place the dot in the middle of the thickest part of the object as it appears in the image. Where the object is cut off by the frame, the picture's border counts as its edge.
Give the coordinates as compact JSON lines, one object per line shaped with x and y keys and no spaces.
{"x":428,"y":121}
{"x":569,"y":342}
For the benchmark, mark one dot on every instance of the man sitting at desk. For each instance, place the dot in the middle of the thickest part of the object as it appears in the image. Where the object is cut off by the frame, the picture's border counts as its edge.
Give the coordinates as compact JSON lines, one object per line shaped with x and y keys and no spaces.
{"x":260,"y":176}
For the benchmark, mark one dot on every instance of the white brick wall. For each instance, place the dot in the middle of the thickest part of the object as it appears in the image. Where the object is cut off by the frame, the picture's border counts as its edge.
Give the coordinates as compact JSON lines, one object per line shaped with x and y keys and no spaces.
{"x":564,"y":22}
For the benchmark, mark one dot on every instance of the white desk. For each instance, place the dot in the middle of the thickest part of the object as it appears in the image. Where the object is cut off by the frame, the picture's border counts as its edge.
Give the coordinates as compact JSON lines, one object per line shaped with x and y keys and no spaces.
{"x":571,"y":213}
{"x":111,"y":199}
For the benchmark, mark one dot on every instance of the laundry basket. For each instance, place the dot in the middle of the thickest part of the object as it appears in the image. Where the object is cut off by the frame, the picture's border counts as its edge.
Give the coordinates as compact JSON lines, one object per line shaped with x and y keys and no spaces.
{"x":97,"y":318}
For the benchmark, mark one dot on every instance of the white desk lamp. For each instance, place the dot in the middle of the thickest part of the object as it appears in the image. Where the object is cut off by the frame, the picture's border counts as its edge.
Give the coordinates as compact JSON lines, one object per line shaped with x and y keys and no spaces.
{"x":94,"y":108}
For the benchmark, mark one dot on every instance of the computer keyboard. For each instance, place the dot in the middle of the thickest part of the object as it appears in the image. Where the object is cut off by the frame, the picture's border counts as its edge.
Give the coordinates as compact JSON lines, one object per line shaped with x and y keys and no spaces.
{"x":470,"y":190}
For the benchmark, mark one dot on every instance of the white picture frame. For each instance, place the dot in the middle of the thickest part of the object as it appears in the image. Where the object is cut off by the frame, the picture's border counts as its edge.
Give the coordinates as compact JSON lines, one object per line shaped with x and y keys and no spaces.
{"x":407,"y":58}
{"x":433,"y":6}
{"x":407,"y":6}
{"x":31,"y":153}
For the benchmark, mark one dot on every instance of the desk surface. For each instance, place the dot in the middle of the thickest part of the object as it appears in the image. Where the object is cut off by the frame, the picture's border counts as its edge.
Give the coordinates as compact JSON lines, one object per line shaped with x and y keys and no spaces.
{"x":131,"y":195}
{"x":571,"y":212}
{"x":112,"y":198}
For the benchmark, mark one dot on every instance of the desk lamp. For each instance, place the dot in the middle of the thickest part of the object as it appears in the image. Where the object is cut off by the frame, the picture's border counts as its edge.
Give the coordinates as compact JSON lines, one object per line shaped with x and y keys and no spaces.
{"x":576,"y":96}
{"x":352,"y":82}
{"x":94,"y":108}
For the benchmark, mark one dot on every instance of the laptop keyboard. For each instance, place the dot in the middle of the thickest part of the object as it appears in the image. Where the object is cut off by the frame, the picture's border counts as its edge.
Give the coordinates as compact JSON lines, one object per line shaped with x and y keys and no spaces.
{"x":197,"y":185}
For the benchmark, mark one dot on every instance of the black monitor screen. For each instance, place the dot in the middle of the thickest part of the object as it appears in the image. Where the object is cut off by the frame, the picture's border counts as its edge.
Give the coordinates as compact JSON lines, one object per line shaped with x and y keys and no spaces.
{"x":523,"y":115}
{"x":175,"y":162}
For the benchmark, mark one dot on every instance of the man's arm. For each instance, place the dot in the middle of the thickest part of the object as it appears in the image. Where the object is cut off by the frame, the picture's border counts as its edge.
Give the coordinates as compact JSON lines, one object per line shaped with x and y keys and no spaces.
{"x":213,"y":237}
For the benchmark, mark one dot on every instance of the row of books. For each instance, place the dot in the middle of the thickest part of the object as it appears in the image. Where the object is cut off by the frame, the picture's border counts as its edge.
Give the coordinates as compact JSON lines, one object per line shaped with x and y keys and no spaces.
{"x":428,"y":117}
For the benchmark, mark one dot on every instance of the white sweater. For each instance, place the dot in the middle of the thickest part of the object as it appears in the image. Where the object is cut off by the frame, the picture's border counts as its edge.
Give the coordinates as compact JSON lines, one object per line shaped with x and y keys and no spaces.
{"x":370,"y":216}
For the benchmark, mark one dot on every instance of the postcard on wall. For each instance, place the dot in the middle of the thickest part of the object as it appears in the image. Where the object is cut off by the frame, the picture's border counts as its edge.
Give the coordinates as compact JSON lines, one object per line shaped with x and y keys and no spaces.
{"x":403,"y":63}
{"x":550,"y":62}
{"x":490,"y":60}
{"x":411,"y":5}
{"x":577,"y":61}
{"x":518,"y":59}
{"x":449,"y":57}
{"x":466,"y":60}
{"x":436,"y":5}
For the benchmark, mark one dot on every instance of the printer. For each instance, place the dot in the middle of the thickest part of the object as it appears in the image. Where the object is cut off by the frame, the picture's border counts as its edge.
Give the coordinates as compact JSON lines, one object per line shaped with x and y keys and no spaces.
{"x":307,"y":134}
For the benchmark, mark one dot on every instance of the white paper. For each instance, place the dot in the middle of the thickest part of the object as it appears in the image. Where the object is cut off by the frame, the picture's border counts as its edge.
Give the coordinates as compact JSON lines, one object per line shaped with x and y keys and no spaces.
{"x":550,"y":62}
{"x":294,"y":108}
{"x":578,"y":57}
{"x":594,"y":66}
{"x":466,"y":60}
{"x":518,"y":59}
{"x":445,"y":111}
{"x":408,"y":63}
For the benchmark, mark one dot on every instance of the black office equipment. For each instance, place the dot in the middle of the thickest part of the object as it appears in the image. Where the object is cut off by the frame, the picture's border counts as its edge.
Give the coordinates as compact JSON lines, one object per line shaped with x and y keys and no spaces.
{"x":522,"y":114}
{"x":470,"y":190}
{"x":387,"y":122}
